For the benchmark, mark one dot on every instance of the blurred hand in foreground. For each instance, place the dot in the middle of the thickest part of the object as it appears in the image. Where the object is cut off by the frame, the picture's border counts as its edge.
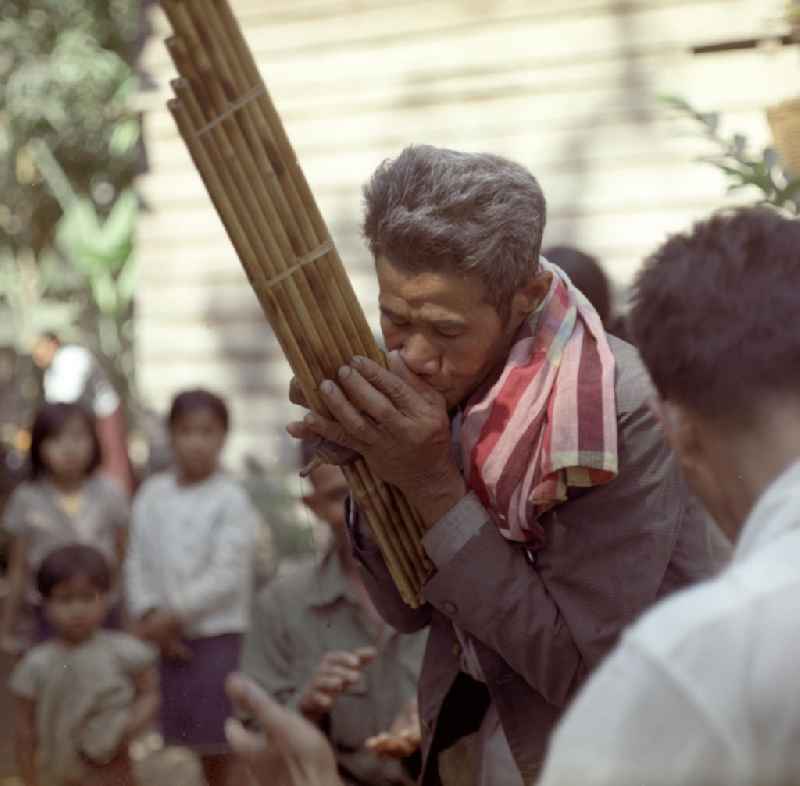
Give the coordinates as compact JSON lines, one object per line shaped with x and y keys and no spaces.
{"x":286,"y":750}
{"x":335,"y":674}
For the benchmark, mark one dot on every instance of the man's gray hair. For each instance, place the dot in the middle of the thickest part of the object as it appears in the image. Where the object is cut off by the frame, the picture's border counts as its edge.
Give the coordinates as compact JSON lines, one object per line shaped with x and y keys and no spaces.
{"x":432,"y":209}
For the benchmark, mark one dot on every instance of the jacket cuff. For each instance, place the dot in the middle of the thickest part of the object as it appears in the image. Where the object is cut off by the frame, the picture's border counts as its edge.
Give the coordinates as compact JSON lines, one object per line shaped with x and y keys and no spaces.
{"x":455,"y":529}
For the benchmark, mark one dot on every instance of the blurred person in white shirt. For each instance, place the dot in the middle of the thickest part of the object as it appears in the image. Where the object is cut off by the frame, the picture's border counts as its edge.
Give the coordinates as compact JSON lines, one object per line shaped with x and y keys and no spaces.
{"x":703,"y":689}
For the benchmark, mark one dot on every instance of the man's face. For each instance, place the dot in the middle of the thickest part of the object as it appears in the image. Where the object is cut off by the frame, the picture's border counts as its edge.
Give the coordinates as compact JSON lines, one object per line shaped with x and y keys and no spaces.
{"x":443,"y":327}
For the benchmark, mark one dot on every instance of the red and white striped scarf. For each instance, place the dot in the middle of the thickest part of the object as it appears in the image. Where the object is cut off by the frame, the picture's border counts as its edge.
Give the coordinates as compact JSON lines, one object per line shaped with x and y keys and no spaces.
{"x":549,"y":421}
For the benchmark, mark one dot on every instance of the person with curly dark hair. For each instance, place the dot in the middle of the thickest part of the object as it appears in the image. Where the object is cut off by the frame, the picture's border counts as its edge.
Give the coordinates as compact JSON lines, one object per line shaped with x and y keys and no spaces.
{"x":702,"y":689}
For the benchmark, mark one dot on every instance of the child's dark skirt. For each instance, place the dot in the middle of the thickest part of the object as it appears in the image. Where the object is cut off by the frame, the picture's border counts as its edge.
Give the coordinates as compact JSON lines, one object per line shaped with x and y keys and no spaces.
{"x":194,"y":705}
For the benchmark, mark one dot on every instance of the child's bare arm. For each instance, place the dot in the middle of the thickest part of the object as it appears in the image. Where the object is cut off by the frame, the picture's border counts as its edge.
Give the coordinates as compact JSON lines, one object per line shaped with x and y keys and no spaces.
{"x":17,"y":576}
{"x":25,"y":739}
{"x":145,"y":704}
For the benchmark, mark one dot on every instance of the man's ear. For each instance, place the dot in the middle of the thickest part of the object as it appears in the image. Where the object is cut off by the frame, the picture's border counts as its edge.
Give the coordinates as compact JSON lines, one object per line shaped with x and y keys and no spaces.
{"x":678,"y":425}
{"x":686,"y":436}
{"x":527,"y":298}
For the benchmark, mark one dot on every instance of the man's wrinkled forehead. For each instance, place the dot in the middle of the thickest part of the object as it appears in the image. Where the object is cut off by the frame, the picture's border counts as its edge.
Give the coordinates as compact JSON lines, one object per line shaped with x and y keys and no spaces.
{"x":446,"y":291}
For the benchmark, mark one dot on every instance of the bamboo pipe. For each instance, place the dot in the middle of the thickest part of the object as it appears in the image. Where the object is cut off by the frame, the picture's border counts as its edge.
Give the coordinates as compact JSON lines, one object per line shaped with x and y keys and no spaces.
{"x":232,"y":171}
{"x":386,"y":501}
{"x":227,"y":169}
{"x":244,"y":75}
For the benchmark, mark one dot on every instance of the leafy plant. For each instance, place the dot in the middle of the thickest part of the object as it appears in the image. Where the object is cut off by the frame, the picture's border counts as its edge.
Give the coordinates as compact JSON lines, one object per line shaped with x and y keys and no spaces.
{"x":743,"y":167}
{"x":100,"y":248}
{"x":69,"y":149}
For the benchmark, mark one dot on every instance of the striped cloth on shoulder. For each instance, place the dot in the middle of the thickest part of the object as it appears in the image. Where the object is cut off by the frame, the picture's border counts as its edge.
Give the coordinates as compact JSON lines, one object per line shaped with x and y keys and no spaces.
{"x":549,"y":421}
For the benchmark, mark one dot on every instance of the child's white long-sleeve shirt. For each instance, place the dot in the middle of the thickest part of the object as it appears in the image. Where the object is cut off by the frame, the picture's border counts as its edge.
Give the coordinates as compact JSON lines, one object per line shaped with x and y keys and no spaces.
{"x":191,"y":552}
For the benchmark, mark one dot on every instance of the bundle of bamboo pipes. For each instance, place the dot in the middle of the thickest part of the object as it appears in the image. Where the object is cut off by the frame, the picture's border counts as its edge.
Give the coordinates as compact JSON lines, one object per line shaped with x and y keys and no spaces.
{"x":239,"y":146}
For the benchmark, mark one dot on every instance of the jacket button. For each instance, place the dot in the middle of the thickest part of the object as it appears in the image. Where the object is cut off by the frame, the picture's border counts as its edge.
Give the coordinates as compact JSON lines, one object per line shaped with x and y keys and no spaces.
{"x":449,"y":608}
{"x":456,"y":649}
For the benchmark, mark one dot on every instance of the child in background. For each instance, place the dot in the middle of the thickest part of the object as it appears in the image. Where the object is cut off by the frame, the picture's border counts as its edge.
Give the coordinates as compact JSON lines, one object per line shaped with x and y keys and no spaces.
{"x":189,"y":579}
{"x":65,"y":501}
{"x":85,"y":693}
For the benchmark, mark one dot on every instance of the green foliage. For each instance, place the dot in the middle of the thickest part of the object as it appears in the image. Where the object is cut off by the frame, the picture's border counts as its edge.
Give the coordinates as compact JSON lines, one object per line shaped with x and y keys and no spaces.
{"x":64,"y":82}
{"x":31,"y":290}
{"x":759,"y":171}
{"x":69,"y":148}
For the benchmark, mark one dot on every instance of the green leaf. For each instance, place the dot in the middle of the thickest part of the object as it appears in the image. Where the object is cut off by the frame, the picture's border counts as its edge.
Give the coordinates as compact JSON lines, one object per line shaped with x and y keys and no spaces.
{"x":124,"y":137}
{"x":104,"y":293}
{"x":126,"y":282}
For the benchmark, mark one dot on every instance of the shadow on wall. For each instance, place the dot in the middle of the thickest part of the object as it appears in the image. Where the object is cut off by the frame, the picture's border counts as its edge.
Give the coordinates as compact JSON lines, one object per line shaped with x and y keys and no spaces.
{"x":638,"y":97}
{"x":424,"y":90}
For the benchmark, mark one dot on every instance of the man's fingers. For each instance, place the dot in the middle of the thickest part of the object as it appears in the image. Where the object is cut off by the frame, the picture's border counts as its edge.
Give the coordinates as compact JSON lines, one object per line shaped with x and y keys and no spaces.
{"x":329,"y":684}
{"x":322,"y":700}
{"x":335,"y":682}
{"x":359,"y":428}
{"x":349,"y":660}
{"x":368,"y":399}
{"x":397,"y":389}
{"x":365,"y":655}
{"x":314,"y":426}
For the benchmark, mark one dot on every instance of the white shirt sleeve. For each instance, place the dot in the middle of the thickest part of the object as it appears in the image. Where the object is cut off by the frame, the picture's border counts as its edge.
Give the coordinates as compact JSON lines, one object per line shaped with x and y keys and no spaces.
{"x":635,"y":723}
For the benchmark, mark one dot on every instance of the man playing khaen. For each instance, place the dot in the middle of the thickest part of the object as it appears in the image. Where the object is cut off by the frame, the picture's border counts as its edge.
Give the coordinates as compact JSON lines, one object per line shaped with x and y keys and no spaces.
{"x":520,"y":431}
{"x":701,"y":690}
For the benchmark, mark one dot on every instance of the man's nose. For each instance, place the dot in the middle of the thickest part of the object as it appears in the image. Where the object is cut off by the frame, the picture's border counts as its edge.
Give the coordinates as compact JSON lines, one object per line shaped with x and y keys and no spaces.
{"x":420,"y":355}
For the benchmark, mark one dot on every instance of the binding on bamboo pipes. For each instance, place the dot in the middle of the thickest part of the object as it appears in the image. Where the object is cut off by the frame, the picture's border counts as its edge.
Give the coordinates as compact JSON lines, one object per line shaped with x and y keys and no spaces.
{"x":239,"y":146}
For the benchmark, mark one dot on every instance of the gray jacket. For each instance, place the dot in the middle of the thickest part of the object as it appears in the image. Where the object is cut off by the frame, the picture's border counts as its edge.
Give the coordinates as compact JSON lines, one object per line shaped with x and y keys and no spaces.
{"x":539,"y":623}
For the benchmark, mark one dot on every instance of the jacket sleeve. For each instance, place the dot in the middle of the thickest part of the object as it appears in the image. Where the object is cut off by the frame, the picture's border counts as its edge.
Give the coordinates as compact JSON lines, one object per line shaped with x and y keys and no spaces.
{"x":553,"y":617}
{"x":379,"y":582}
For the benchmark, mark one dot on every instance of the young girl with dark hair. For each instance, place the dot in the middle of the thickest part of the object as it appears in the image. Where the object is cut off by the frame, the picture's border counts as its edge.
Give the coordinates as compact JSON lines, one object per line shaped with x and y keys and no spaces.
{"x":66,"y":500}
{"x":189,"y":579}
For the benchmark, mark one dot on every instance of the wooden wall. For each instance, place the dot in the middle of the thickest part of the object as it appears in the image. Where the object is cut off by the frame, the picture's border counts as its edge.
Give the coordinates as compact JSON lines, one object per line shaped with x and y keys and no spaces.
{"x":568,"y":87}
